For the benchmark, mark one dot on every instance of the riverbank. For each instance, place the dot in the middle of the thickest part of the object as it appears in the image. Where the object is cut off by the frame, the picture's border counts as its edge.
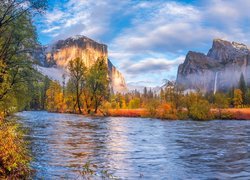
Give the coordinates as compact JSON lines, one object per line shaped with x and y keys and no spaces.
{"x":238,"y":113}
{"x":14,"y":154}
{"x":225,"y":114}
{"x":127,"y":112}
{"x":228,"y":113}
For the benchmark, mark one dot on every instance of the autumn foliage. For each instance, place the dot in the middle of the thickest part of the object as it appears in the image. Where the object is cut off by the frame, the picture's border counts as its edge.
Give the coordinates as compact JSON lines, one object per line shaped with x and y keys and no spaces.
{"x":127,"y":112}
{"x":14,"y":158}
{"x":85,"y":92}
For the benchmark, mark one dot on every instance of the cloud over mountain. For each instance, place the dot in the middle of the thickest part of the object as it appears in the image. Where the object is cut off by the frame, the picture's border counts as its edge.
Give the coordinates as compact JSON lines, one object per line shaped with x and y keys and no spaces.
{"x":146,"y":37}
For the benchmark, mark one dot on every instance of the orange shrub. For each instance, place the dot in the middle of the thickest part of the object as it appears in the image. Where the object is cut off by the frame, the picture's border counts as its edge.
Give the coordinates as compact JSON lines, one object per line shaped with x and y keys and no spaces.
{"x":127,"y":112}
{"x":237,"y":113}
{"x":166,"y":111}
{"x":14,"y":157}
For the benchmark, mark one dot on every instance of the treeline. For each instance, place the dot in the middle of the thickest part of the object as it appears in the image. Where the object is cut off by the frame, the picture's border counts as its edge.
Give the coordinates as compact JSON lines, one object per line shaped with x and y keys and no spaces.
{"x":18,"y":80}
{"x":172,"y":102}
{"x":88,"y":92}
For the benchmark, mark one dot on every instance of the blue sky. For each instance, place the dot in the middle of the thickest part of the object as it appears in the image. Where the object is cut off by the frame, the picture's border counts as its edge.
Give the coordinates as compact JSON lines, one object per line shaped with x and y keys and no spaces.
{"x":147,"y":40}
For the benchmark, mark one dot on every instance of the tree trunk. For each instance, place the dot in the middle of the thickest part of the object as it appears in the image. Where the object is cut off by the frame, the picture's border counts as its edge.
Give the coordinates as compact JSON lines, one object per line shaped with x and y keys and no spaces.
{"x":96,"y":105}
{"x":78,"y":104}
{"x":78,"y":100}
{"x":96,"y":109}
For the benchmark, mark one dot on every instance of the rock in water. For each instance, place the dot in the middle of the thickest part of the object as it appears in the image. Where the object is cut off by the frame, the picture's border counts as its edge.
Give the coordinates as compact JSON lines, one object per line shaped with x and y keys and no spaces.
{"x":226,"y":59}
{"x":60,"y":53}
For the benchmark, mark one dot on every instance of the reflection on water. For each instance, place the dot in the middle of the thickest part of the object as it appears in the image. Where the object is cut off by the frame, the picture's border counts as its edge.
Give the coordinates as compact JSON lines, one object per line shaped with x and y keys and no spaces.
{"x":131,"y":148}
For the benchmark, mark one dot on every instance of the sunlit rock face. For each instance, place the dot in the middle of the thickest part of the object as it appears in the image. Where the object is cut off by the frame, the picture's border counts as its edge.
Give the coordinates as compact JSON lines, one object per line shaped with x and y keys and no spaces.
{"x":220,"y":69}
{"x":80,"y":46}
{"x":60,"y":53}
{"x":117,"y":80}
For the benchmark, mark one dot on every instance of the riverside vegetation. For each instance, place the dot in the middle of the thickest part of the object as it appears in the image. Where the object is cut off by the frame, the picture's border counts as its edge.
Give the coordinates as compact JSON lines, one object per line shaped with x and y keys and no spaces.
{"x":18,"y":81}
{"x":87,"y":91}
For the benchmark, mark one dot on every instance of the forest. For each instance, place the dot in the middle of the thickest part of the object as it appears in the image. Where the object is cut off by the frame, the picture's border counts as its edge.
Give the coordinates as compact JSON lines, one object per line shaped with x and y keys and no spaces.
{"x":87,"y":92}
{"x":90,"y":94}
{"x":18,"y":80}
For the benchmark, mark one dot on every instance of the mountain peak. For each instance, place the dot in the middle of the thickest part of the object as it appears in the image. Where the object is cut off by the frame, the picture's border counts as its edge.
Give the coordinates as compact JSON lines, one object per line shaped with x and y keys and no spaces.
{"x":219,"y":69}
{"x":193,"y":53}
{"x":224,"y":51}
{"x":240,"y":46}
{"x":79,"y":40}
{"x":217,"y":43}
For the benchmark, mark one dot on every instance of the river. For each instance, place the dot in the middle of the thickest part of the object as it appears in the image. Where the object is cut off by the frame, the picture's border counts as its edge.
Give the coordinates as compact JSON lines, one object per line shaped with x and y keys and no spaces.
{"x":136,"y":148}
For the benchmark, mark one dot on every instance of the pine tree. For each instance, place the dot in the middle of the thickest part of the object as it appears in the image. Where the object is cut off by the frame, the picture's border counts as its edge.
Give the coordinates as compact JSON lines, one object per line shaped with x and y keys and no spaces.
{"x":162,"y":95}
{"x":243,"y":88}
{"x":145,"y":92}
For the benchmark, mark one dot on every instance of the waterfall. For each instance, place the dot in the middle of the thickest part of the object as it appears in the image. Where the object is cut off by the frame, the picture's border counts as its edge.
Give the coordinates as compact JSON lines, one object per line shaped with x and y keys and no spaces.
{"x":215,"y":82}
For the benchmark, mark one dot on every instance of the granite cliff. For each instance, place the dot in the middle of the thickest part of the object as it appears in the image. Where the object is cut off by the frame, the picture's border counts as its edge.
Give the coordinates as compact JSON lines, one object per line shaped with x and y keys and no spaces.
{"x":220,"y":69}
{"x":54,"y":59}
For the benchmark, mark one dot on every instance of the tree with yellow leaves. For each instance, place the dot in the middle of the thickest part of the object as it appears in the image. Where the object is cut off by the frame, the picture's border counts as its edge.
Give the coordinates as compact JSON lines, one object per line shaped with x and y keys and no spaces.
{"x":238,"y":99}
{"x":77,"y":71}
{"x":55,"y":100}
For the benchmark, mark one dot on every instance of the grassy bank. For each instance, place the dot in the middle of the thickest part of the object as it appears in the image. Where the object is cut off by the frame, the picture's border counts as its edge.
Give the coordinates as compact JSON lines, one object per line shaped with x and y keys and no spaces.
{"x":227,"y":114}
{"x":127,"y":112}
{"x":14,"y":155}
{"x":238,"y":113}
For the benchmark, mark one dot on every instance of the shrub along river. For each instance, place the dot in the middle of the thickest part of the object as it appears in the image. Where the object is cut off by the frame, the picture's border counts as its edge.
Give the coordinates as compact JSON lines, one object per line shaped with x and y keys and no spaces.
{"x":132,"y":148}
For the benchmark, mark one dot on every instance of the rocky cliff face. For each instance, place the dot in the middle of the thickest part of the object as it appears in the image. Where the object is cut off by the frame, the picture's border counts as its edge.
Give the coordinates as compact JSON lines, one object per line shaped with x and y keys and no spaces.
{"x":220,"y":69}
{"x":59,"y":54}
{"x":80,"y":46}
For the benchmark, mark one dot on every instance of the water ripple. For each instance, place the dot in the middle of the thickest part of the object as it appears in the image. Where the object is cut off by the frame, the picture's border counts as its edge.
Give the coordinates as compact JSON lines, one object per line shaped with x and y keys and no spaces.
{"x":131,"y":148}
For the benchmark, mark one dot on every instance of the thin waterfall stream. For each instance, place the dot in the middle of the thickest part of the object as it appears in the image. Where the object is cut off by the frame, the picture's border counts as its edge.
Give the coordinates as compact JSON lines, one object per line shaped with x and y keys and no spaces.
{"x":215,"y":82}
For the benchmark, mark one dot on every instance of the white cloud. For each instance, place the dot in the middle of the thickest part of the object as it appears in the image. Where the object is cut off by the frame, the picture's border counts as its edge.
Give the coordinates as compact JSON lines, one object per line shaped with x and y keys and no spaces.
{"x":54,"y":16}
{"x":49,"y":30}
{"x":83,"y":17}
{"x":147,"y":35}
{"x":175,"y":28}
{"x":227,"y":12}
{"x":152,"y":65}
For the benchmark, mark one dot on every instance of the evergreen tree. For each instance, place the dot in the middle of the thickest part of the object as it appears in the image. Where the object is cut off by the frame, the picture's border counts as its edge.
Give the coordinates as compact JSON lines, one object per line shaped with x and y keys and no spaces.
{"x":243,"y":88}
{"x":64,"y":84}
{"x":247,"y":97}
{"x":162,"y":95}
{"x":45,"y":88}
{"x":145,"y":92}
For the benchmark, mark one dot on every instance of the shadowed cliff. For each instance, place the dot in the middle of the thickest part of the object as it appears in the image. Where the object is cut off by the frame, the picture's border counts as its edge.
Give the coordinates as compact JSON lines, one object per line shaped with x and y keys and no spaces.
{"x":220,"y":69}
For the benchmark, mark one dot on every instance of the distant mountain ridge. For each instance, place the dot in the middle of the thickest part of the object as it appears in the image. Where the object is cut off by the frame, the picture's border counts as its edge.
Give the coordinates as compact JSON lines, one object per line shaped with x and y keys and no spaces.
{"x":220,"y":69}
{"x":54,"y":59}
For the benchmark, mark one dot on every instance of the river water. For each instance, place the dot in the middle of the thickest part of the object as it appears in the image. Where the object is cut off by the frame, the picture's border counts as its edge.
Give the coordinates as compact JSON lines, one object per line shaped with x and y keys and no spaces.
{"x":135,"y":148}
